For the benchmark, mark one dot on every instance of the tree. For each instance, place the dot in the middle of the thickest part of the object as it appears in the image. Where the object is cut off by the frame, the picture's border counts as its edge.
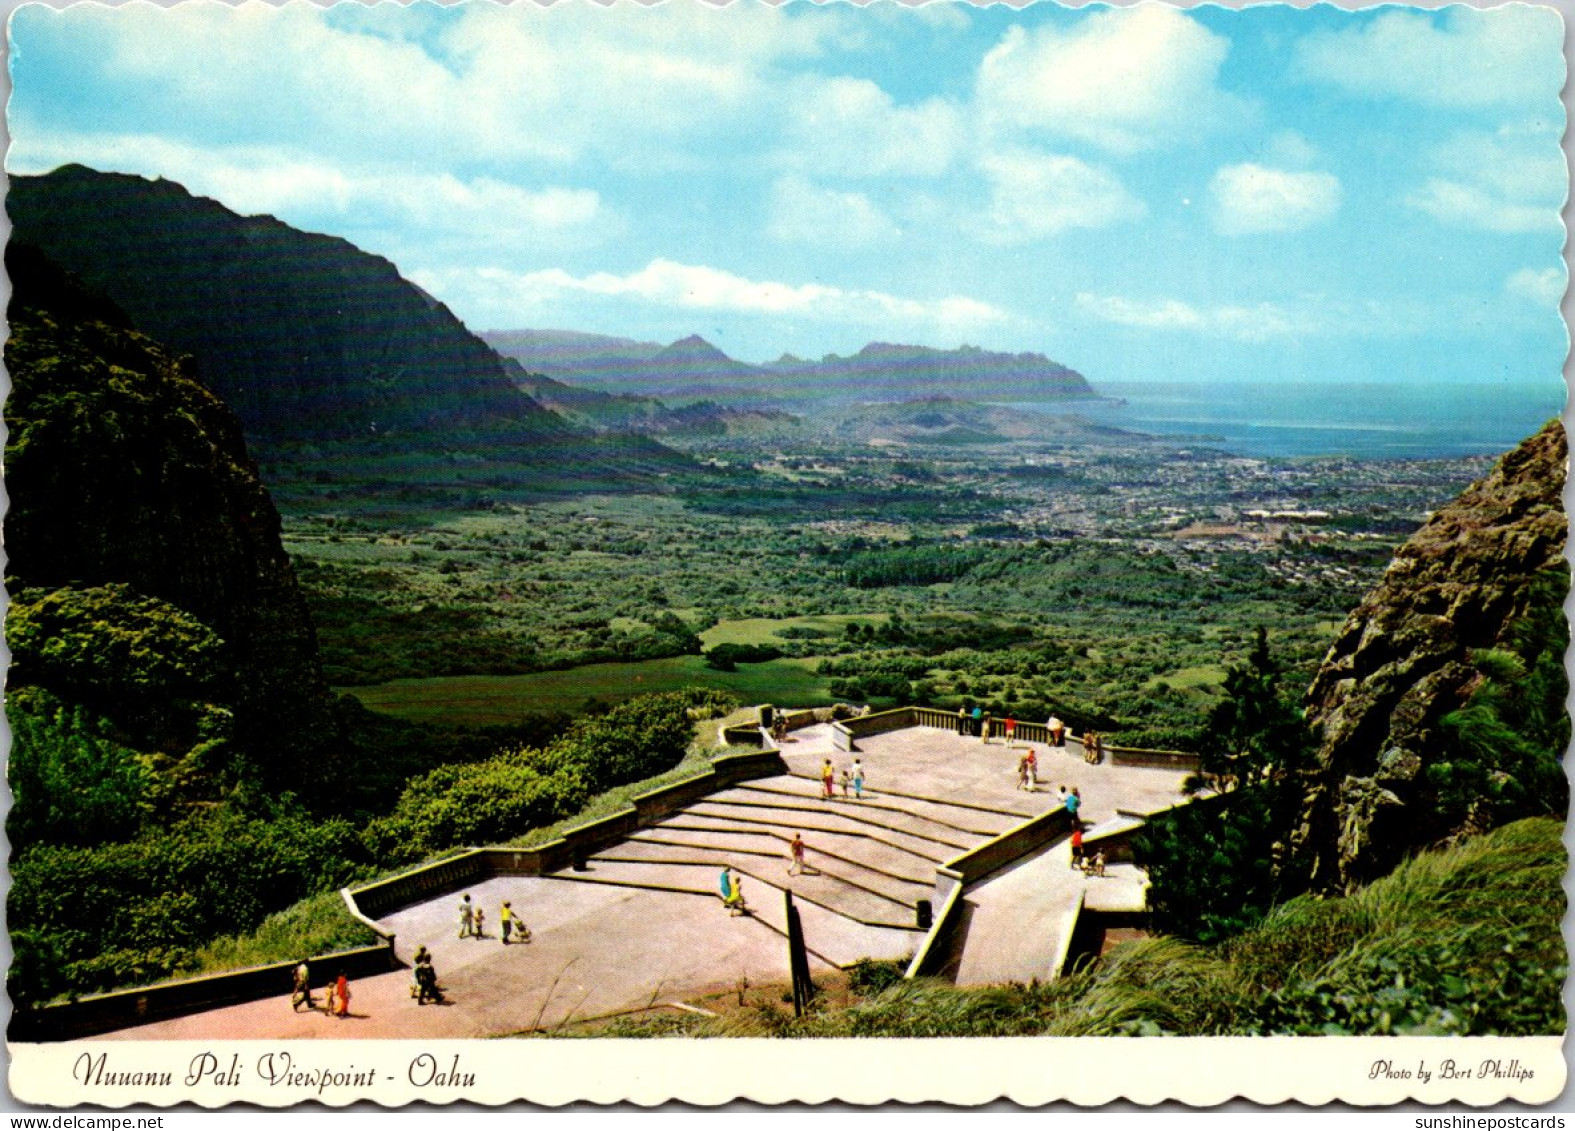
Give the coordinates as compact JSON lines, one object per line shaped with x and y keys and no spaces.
{"x":1218,"y":865}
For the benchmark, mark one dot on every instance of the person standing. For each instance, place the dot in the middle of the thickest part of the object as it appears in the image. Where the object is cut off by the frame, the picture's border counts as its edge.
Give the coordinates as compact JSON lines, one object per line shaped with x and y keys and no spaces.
{"x":1057,"y":731}
{"x":1011,"y":728}
{"x":1032,"y":761}
{"x":1077,"y":846}
{"x":847,"y":782}
{"x":481,"y":924}
{"x":467,"y":917}
{"x":506,"y":921}
{"x":978,"y":716}
{"x":1073,"y":801}
{"x":341,"y":997}
{"x":962,"y":721}
{"x":858,"y":780}
{"x":984,"y":733}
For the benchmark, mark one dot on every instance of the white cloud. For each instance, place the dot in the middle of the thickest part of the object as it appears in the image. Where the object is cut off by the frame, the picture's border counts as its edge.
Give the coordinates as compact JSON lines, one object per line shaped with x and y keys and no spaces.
{"x":805,"y":213}
{"x":493,"y":297}
{"x":318,"y":196}
{"x":493,"y":83}
{"x":1124,"y":79}
{"x":1260,"y":323}
{"x":1035,"y":196}
{"x":853,"y":127}
{"x":1287,"y":147}
{"x":1459,"y":58}
{"x":1250,"y":199}
{"x":1510,"y":181}
{"x":1544,"y":288}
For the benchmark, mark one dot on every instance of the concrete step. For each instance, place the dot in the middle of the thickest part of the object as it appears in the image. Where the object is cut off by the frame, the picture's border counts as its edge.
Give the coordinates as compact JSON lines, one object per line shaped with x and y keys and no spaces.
{"x":825,"y":889}
{"x":969,"y":817}
{"x":901,"y":893}
{"x":679,"y":847}
{"x":788,"y":822}
{"x":835,"y":817}
{"x":871,"y":851}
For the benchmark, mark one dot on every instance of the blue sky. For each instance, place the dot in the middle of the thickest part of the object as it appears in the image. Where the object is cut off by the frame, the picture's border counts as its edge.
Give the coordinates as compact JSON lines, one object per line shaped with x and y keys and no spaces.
{"x":1144,"y":193}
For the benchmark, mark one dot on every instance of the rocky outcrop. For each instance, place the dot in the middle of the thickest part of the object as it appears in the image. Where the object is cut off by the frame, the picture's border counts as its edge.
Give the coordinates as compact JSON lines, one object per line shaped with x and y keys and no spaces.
{"x":123,"y":471}
{"x":1403,"y":661}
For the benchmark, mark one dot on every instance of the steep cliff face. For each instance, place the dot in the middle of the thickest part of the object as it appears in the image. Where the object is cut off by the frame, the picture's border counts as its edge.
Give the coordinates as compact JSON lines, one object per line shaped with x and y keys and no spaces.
{"x":1404,"y":661}
{"x":304,"y":336}
{"x":123,"y":471}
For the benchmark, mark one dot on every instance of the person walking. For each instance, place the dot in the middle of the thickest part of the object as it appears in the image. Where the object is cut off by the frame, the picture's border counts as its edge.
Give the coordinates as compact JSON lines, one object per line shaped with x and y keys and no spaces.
{"x":1010,"y":728}
{"x":426,"y":979}
{"x":796,"y":855}
{"x":1074,"y":800}
{"x":467,"y":917}
{"x":1077,"y":846}
{"x":506,"y":921}
{"x":858,"y":780}
{"x":828,"y":779}
{"x":341,"y":997}
{"x":847,"y":782}
{"x":481,"y":924}
{"x":302,"y":994}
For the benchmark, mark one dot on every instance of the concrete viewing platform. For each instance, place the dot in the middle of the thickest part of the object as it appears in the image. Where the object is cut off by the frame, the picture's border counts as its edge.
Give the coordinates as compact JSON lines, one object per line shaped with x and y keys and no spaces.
{"x":638,"y":923}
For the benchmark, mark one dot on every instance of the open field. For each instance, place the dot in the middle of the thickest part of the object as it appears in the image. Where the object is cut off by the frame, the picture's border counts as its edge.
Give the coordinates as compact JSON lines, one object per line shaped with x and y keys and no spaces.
{"x":485,"y":700}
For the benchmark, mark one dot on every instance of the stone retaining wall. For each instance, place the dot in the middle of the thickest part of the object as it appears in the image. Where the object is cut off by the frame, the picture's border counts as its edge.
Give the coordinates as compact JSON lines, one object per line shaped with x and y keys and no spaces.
{"x":104,"y":1013}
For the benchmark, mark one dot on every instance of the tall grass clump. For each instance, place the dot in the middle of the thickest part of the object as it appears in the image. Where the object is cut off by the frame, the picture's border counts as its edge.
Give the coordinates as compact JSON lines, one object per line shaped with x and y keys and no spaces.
{"x":1460,"y":941}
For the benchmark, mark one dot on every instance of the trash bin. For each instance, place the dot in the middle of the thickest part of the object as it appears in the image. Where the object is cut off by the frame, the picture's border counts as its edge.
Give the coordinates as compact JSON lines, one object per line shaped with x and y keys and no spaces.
{"x":768,"y":715}
{"x":923,"y":916}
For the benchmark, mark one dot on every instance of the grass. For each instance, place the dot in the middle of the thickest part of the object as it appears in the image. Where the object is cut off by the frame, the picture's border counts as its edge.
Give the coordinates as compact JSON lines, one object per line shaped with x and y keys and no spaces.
{"x":482,"y":700}
{"x":1185,"y":679}
{"x":767,"y":630}
{"x":320,"y":924}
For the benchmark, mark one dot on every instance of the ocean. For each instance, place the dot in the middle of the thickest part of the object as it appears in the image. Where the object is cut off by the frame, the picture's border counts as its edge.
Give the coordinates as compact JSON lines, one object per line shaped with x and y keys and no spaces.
{"x":1367,"y":421}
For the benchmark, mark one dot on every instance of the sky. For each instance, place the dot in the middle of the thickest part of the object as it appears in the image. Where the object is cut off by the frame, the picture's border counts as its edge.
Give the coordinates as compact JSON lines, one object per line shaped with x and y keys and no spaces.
{"x":1143,"y":193}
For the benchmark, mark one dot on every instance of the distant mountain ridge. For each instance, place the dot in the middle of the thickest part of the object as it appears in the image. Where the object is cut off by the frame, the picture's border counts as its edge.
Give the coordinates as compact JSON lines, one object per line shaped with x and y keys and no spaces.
{"x":693,"y":368}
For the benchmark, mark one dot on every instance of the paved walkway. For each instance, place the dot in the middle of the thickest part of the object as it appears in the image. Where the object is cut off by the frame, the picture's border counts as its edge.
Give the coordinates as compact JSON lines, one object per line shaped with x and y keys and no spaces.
{"x":643,"y":925}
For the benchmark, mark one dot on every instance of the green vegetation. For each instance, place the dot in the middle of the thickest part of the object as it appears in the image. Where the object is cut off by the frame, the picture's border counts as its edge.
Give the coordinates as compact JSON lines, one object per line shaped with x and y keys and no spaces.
{"x":1460,"y":942}
{"x":497,"y":700}
{"x":132,"y":912}
{"x":1218,"y":866}
{"x":525,"y":788}
{"x":1512,"y":734}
